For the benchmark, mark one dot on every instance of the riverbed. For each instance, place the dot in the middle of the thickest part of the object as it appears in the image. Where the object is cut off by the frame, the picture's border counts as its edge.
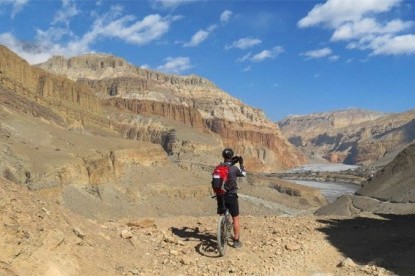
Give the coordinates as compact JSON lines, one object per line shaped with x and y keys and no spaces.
{"x":330,"y":190}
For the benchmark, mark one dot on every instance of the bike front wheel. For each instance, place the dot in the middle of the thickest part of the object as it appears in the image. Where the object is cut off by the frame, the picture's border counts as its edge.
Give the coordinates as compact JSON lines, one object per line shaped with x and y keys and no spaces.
{"x":222,"y":235}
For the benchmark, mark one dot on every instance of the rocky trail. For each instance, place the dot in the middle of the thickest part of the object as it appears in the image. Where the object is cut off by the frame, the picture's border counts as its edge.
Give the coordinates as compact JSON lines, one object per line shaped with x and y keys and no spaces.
{"x":38,"y":237}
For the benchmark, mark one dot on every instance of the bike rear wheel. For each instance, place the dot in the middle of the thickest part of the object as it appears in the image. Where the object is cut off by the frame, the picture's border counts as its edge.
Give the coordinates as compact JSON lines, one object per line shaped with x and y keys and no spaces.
{"x":222,"y":234}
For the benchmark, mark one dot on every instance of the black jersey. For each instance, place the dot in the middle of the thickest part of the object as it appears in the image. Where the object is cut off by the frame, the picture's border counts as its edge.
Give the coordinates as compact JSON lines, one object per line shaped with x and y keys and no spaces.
{"x":231,"y":186}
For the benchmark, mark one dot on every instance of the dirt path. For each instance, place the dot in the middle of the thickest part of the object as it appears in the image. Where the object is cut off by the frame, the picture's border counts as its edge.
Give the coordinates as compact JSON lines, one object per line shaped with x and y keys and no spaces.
{"x":271,"y":205}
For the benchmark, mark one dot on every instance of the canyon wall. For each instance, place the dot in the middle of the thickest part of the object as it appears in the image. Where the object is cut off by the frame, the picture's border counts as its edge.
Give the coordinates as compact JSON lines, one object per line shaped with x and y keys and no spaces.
{"x":189,"y":100}
{"x":350,"y":136}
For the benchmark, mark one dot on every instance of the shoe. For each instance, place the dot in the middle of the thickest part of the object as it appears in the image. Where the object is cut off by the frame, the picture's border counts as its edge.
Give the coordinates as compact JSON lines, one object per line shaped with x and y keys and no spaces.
{"x":237,"y":244}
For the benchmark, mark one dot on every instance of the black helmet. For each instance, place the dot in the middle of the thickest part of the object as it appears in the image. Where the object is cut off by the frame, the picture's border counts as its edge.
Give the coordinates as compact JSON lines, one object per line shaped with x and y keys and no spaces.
{"x":227,"y":153}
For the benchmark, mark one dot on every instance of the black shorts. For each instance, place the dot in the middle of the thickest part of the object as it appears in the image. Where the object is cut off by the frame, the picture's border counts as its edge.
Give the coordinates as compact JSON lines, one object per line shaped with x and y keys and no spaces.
{"x":231,"y":202}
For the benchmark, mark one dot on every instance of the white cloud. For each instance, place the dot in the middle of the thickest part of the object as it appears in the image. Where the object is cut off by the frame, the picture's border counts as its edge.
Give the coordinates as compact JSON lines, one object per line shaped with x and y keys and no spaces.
{"x":245,"y":57}
{"x":175,"y":65}
{"x":68,"y":11}
{"x":263,"y":55}
{"x":396,"y":45}
{"x":267,"y":54}
{"x":197,"y":38}
{"x":334,"y":58}
{"x":368,"y":26}
{"x":16,"y":4}
{"x":33,"y":53}
{"x":200,"y":36}
{"x":225,"y":16}
{"x":362,"y":26}
{"x":244,"y":43}
{"x":60,"y":41}
{"x":169,"y":4}
{"x":335,"y":12}
{"x":319,"y":53}
{"x":129,"y":30}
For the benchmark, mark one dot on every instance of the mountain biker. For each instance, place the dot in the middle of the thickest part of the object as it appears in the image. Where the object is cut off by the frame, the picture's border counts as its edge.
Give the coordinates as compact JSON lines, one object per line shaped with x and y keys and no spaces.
{"x":230,"y":198}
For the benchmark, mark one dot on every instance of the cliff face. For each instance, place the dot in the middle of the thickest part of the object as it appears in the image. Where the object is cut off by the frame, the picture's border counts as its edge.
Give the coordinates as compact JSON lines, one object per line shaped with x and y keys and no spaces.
{"x":350,"y":136}
{"x":189,"y":100}
{"x":17,"y":75}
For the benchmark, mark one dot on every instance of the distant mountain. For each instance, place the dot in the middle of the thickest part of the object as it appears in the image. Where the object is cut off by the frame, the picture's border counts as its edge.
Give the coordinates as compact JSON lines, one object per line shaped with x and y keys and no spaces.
{"x":352,"y":136}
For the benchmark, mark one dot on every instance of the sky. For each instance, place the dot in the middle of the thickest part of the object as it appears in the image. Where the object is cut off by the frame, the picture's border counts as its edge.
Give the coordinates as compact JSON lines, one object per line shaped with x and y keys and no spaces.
{"x":288,"y":57}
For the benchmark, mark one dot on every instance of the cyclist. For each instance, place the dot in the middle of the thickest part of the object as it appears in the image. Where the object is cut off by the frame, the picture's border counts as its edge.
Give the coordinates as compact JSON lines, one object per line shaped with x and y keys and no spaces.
{"x":230,"y":198}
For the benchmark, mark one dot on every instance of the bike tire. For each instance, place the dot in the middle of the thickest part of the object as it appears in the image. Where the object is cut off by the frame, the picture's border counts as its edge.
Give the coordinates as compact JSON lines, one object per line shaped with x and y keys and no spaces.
{"x":222,"y":235}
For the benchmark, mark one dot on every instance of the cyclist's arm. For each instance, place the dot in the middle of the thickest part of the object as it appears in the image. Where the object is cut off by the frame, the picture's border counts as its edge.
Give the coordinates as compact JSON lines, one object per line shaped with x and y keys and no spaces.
{"x":241,"y":172}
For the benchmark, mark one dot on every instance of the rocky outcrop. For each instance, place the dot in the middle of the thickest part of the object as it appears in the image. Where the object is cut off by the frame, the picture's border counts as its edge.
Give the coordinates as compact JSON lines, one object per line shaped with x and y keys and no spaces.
{"x":18,"y":76}
{"x":103,"y":67}
{"x":317,"y":123}
{"x":186,"y":115}
{"x":390,"y":191}
{"x":351,"y":136}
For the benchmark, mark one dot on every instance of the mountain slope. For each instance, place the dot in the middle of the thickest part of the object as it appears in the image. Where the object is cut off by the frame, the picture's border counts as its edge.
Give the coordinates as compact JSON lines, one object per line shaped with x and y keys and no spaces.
{"x":350,"y":136}
{"x":190,"y":100}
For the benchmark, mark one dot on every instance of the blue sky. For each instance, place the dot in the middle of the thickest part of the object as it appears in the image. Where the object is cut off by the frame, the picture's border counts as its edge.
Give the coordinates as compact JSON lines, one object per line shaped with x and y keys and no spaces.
{"x":284,"y":57}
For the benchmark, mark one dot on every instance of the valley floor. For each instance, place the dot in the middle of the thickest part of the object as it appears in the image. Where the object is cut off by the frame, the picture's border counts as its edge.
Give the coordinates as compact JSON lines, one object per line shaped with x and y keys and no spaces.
{"x":43,"y":238}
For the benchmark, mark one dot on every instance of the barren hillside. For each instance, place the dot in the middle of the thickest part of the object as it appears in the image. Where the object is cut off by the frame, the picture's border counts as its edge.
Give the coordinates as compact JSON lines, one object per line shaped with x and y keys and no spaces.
{"x":190,"y":100}
{"x":350,"y":136}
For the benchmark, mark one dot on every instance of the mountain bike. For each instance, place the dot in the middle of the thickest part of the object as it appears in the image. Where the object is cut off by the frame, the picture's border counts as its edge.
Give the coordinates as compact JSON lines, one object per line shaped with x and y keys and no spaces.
{"x":225,"y":228}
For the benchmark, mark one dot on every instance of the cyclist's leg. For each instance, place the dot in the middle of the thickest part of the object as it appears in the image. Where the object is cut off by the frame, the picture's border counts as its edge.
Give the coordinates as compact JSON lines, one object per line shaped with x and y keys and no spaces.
{"x":221,"y":204}
{"x":232,"y":204}
{"x":236,"y":227}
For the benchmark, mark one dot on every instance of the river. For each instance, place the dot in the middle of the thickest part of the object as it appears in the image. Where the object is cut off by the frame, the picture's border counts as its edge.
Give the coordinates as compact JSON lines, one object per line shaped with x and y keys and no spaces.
{"x":329,"y":189}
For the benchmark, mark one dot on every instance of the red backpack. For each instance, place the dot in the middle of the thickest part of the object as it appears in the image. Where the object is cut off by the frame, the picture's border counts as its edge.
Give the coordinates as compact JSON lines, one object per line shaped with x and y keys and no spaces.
{"x":219,"y":178}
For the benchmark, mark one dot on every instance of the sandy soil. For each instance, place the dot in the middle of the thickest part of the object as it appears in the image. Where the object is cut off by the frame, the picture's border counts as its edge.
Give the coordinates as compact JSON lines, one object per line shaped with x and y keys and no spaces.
{"x":42,"y":238}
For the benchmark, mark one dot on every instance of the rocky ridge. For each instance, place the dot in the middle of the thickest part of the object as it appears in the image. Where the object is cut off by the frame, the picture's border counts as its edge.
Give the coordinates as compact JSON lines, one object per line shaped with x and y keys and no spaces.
{"x":191,"y":100}
{"x":350,"y":136}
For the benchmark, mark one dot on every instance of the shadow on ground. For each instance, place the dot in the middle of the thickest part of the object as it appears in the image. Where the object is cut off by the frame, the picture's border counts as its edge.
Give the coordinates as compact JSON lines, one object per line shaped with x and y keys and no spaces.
{"x":207,"y":245}
{"x":387,"y":242}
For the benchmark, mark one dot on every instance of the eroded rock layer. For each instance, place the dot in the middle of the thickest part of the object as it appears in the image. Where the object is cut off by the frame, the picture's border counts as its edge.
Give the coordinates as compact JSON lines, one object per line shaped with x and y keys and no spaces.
{"x":190,"y":100}
{"x":350,"y":136}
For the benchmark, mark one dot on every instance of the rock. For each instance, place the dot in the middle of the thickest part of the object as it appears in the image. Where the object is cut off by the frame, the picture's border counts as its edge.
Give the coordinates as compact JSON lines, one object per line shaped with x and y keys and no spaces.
{"x":78,"y":232}
{"x":46,"y":211}
{"x":293,"y":246}
{"x":185,"y":261}
{"x":126,"y":234}
{"x":135,"y":271}
{"x":174,"y":252}
{"x":347,"y":263}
